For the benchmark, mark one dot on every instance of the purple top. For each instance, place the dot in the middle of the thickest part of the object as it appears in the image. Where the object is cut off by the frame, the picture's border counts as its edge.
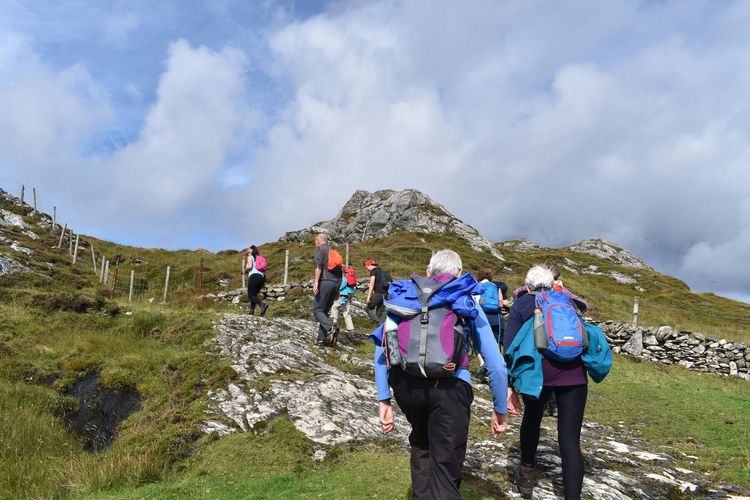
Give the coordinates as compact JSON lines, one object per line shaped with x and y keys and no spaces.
{"x":578,"y":301}
{"x":556,"y":373}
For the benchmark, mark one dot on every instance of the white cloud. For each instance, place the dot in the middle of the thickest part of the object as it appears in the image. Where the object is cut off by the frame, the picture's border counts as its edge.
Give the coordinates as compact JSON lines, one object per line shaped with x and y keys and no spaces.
{"x":188,"y":134}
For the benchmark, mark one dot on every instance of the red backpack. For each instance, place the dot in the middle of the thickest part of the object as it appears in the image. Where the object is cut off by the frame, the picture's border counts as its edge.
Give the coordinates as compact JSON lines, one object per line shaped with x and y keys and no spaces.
{"x":351,"y":276}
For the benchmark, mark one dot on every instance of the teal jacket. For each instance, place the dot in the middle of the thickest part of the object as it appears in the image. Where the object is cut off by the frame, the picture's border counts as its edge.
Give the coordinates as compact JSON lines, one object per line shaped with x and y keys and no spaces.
{"x":525,"y":361}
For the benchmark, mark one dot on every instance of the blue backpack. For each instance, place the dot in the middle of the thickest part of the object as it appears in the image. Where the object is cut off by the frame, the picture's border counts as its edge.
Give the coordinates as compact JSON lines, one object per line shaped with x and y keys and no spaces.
{"x":490,"y":299}
{"x":564,"y":336}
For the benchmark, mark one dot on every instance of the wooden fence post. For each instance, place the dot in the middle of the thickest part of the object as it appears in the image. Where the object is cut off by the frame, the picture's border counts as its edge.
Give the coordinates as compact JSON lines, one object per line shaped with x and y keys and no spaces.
{"x":33,"y":192}
{"x":23,"y":189}
{"x":54,"y":218}
{"x":166,"y":286}
{"x":244,"y":264}
{"x":70,"y":241}
{"x":75,"y":249}
{"x":635,"y":313}
{"x":114,"y":278}
{"x":93,"y":256}
{"x":200,"y":278}
{"x":132,"y":280}
{"x":286,"y":267}
{"x":106,"y":271}
{"x":346,"y":262}
{"x":62,"y":235}
{"x":101,"y":273}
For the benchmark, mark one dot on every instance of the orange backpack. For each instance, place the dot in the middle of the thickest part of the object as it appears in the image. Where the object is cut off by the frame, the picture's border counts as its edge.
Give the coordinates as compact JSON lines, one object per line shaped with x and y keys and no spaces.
{"x":334,"y":259}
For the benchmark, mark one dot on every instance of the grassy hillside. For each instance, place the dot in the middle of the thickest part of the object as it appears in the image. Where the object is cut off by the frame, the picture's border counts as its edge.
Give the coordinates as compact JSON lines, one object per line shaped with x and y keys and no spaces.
{"x":58,"y":324}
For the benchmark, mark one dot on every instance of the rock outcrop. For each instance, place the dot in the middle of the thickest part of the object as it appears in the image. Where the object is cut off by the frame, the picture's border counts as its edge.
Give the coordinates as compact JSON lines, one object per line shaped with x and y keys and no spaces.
{"x":329,"y":395}
{"x":374,"y":215}
{"x":610,"y":251}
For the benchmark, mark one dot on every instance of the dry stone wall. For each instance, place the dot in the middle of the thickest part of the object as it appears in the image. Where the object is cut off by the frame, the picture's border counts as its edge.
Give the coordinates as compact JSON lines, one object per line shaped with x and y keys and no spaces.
{"x":691,"y":350}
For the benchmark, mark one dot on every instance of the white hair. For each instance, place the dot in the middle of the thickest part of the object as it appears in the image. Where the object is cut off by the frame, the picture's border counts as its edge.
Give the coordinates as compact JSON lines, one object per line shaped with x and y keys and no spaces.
{"x":445,"y":261}
{"x":322,"y":237}
{"x":539,"y":276}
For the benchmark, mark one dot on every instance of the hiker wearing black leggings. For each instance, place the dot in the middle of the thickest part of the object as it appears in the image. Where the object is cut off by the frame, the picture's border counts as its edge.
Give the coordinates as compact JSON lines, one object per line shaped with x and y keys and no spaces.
{"x":255,"y":281}
{"x":567,"y":381}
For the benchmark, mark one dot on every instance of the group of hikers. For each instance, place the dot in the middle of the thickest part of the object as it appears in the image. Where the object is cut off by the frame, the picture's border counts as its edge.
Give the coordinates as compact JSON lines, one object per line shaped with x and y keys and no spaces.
{"x":428,"y":326}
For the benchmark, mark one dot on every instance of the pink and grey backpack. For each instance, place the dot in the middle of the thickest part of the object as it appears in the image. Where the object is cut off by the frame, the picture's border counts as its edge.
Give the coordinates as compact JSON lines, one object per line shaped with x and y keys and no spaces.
{"x":429,"y":342}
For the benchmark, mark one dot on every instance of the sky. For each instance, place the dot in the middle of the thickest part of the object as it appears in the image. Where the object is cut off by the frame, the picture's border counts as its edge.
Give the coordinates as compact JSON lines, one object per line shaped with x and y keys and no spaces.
{"x":221,"y":123}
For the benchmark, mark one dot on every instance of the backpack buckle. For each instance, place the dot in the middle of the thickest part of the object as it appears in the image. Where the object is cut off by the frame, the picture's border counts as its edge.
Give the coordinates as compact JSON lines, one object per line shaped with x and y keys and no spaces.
{"x":425,"y":316}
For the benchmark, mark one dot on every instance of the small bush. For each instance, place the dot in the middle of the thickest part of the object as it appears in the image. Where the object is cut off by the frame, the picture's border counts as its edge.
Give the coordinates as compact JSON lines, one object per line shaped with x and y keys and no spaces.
{"x":64,"y":301}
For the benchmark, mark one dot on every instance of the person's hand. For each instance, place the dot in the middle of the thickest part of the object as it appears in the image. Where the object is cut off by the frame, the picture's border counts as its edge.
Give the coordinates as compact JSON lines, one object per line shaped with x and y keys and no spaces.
{"x":385,"y":412}
{"x":498,"y":423}
{"x":315,"y":288}
{"x":514,"y":405}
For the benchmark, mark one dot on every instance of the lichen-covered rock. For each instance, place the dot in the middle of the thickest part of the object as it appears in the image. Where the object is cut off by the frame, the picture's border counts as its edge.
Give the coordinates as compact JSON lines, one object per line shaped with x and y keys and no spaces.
{"x":610,"y":251}
{"x":10,"y":219}
{"x":330,"y":396}
{"x":375,"y":215}
{"x":9,"y":266}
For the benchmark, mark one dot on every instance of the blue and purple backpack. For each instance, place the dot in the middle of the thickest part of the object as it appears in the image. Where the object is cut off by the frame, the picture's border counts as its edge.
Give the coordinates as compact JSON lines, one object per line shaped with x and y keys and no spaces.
{"x":566,"y":338}
{"x":429,"y":340}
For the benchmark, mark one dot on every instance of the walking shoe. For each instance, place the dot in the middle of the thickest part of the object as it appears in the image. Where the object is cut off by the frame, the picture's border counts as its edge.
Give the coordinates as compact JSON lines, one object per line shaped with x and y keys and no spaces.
{"x":525,"y":480}
{"x":263,"y":308}
{"x":482,"y":374}
{"x":334,"y":335}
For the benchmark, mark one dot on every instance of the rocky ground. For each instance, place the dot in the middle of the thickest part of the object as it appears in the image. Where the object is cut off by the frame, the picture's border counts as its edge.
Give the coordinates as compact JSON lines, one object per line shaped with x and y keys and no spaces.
{"x":329,"y":395}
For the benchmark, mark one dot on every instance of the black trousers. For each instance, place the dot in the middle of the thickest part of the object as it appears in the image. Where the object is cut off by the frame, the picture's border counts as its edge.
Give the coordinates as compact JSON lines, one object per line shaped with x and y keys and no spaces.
{"x":327,"y":292}
{"x":438,"y":411}
{"x":376,"y":308}
{"x":571,"y":403}
{"x":254,"y":284}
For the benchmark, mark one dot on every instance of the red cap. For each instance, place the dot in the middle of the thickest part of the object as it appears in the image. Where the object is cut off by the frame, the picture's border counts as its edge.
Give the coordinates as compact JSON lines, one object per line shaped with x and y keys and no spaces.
{"x":370,"y":262}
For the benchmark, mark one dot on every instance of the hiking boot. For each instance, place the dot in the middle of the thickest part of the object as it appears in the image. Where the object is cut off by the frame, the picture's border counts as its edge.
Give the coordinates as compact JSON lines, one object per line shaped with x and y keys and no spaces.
{"x":482,"y":374}
{"x":263,"y":308}
{"x":525,"y":480}
{"x":334,"y":335}
{"x":551,"y":409}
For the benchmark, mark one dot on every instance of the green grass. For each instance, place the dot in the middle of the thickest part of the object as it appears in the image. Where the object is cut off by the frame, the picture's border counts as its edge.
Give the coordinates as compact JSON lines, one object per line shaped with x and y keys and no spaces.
{"x":679,"y":411}
{"x":277,"y":464}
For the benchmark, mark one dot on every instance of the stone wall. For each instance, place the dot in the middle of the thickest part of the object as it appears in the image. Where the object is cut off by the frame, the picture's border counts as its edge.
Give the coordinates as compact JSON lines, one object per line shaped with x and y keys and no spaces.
{"x":691,"y":350}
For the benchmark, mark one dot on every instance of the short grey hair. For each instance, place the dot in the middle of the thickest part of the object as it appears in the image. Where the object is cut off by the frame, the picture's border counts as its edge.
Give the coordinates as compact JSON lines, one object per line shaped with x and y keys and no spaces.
{"x":322,"y":237}
{"x":445,"y":261}
{"x":539,"y":276}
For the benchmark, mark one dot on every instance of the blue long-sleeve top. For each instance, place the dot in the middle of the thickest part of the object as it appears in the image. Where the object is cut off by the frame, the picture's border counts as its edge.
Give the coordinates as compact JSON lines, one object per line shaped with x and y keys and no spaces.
{"x":485,"y":344}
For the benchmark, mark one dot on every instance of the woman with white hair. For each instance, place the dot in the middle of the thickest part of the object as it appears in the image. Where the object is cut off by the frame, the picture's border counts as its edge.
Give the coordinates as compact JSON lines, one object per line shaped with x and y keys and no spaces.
{"x":568,"y":382}
{"x":436,"y":403}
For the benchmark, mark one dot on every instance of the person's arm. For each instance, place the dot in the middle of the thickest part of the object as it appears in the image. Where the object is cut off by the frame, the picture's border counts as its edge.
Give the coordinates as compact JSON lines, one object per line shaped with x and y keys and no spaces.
{"x":318,"y":268}
{"x":250,"y":262}
{"x":496,"y":372}
{"x":385,"y":412}
{"x":515,"y":322}
{"x":370,"y":288}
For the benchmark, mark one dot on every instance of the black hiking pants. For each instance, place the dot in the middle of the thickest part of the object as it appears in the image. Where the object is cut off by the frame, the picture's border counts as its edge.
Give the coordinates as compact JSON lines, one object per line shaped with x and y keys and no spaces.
{"x":438,"y":411}
{"x":327,"y":292}
{"x":376,"y":308}
{"x":571,"y":402}
{"x":255,"y":283}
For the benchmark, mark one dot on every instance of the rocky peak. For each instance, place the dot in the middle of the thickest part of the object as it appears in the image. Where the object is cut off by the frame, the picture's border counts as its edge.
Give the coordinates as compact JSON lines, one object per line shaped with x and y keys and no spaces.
{"x":610,"y":251}
{"x":375,"y":215}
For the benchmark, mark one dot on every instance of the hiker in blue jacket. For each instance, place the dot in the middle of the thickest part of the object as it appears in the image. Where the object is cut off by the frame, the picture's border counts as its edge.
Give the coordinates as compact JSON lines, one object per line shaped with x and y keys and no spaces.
{"x":346,"y":292}
{"x":438,"y":409}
